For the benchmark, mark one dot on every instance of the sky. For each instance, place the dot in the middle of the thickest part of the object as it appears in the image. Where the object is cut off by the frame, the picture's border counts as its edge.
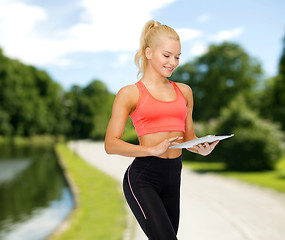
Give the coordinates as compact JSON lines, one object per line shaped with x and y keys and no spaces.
{"x":77,"y":41}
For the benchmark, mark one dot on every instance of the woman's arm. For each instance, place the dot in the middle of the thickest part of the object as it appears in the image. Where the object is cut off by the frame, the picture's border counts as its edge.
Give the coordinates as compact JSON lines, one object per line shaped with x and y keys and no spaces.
{"x":202,"y":149}
{"x":124,"y":103}
{"x":189,"y":129}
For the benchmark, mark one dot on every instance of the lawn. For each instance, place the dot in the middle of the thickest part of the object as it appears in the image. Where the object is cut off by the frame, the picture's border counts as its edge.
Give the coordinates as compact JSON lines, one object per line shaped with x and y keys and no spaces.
{"x":274,"y":179}
{"x":100,"y":213}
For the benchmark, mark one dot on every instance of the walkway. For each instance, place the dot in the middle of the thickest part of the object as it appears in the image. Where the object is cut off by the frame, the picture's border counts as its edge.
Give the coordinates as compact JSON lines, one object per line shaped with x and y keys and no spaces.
{"x":212,"y":207}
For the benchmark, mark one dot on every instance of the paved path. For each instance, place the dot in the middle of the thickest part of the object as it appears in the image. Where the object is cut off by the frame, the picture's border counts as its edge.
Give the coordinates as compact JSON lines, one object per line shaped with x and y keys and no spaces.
{"x":212,"y":207}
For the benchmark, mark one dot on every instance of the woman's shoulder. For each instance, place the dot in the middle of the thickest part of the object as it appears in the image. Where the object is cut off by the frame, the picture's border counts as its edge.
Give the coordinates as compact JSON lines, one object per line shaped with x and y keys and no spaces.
{"x":185,"y":89}
{"x":128,"y":90}
{"x":128,"y":94}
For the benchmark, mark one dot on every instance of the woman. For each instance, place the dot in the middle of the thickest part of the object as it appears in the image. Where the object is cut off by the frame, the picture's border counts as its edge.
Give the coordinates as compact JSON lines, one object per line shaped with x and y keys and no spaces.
{"x":161,"y":112}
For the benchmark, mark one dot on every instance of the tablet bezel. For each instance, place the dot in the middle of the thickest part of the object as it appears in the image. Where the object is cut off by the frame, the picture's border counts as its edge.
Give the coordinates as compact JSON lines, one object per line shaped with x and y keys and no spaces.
{"x":201,"y":140}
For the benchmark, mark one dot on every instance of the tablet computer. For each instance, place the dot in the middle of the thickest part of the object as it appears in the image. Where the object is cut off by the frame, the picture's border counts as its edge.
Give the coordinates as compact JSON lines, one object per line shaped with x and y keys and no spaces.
{"x":208,"y":139}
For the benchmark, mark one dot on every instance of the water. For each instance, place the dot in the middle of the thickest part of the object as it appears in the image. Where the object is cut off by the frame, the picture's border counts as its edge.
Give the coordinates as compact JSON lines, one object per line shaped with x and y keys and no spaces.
{"x":34,"y":196}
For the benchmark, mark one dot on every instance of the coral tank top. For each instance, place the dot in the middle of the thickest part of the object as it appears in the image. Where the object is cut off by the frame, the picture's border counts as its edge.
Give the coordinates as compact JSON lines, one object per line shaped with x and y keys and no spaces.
{"x":152,"y":115}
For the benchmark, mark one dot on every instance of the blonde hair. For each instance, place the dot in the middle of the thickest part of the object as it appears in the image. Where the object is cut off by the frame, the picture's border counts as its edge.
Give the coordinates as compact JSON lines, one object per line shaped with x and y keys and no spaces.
{"x":149,"y":38}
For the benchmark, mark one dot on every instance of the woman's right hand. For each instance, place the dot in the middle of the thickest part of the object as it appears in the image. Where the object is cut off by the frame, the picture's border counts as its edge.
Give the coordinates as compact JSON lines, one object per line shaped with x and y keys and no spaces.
{"x":164,"y":145}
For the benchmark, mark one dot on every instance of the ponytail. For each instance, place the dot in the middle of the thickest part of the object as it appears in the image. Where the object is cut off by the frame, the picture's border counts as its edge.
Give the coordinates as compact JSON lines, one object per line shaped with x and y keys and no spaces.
{"x":149,"y":36}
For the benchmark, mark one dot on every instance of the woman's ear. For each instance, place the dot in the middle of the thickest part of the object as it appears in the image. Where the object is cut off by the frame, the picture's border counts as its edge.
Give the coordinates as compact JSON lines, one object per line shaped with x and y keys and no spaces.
{"x":148,"y":53}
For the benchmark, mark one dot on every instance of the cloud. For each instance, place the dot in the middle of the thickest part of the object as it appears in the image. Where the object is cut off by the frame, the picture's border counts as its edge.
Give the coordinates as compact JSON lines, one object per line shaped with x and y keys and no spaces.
{"x":123,"y":59}
{"x":18,"y":38}
{"x":186,"y":34}
{"x":113,"y":25}
{"x":226,"y":35}
{"x":108,"y":25}
{"x":198,"y":49}
{"x":11,"y":13}
{"x":204,"y":18}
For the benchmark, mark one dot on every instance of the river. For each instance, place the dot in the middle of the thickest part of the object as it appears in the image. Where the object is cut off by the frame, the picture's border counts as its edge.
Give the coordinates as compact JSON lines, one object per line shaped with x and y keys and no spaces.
{"x":34,"y":195}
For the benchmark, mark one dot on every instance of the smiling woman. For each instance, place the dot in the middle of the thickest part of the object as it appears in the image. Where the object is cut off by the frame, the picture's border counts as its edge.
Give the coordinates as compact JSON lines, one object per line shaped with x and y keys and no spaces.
{"x":161,"y":111}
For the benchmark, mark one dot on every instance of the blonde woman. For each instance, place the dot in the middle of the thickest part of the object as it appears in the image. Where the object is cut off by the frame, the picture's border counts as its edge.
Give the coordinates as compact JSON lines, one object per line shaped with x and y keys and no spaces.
{"x":161,"y":111}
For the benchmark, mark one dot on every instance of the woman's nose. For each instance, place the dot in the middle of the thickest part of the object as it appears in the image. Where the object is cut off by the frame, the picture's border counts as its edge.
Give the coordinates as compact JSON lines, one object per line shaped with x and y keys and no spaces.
{"x":172,"y":61}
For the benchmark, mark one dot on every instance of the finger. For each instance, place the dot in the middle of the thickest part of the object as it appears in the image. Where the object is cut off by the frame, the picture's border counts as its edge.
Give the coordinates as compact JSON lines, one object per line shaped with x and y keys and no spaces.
{"x":174,"y":139}
{"x":193,"y":149}
{"x":208,"y":148}
{"x":206,"y":145}
{"x":201,"y":146}
{"x":174,"y":143}
{"x":213,"y":144}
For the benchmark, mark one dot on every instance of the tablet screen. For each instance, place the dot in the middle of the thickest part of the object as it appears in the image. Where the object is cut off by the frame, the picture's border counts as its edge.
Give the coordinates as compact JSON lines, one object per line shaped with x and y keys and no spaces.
{"x":208,"y":139}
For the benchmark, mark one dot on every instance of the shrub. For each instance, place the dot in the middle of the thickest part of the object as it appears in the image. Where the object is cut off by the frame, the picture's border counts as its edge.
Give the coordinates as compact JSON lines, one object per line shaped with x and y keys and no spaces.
{"x":257,"y":144}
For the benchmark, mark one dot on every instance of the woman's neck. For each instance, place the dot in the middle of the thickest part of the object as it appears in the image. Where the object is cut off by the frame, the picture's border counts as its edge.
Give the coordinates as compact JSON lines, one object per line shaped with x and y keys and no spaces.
{"x":152,"y":78}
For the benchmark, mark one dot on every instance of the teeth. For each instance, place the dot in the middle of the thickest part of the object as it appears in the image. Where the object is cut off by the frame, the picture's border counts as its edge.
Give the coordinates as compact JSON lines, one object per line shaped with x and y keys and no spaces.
{"x":169,"y":68}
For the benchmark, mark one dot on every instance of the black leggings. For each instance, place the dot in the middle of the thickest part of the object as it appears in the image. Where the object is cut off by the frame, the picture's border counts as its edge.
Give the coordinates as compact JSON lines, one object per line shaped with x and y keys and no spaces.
{"x":152,"y":189}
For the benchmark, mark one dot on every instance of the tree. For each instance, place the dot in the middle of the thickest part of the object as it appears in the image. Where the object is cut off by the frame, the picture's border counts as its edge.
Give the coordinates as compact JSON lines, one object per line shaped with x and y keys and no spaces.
{"x":257,"y":144}
{"x":30,"y":101}
{"x":90,"y":110}
{"x":102,"y":102}
{"x":273,"y":98}
{"x":218,"y":76}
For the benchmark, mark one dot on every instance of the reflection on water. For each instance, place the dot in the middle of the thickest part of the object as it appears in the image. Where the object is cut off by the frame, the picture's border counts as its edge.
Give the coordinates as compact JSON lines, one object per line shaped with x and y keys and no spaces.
{"x":34,"y":197}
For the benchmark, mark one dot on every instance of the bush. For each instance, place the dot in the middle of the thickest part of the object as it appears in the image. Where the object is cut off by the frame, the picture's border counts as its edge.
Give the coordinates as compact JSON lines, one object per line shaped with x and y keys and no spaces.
{"x":257,"y":144}
{"x":130,"y":134}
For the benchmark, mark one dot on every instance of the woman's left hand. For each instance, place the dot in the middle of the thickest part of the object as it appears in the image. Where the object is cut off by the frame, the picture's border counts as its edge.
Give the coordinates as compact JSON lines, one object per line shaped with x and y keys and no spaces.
{"x":203,"y":148}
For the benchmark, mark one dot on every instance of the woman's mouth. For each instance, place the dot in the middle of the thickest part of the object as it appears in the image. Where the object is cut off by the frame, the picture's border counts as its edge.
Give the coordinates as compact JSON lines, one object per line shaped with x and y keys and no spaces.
{"x":170,"y":69}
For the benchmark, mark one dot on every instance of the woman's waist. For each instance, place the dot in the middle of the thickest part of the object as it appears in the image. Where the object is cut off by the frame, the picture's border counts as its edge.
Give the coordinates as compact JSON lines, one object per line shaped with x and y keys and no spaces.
{"x":151,"y":140}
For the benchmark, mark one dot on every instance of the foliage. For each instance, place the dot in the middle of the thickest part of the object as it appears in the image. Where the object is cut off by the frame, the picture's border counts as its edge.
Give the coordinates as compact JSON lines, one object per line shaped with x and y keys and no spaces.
{"x":89,"y":110}
{"x":272,"y":102}
{"x":217,"y":77}
{"x":31,"y":103}
{"x":257,"y":143}
{"x":130,"y":134}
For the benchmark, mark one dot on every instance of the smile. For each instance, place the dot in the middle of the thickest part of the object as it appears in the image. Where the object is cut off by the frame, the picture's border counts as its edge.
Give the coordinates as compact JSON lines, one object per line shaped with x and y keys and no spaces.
{"x":170,"y":68}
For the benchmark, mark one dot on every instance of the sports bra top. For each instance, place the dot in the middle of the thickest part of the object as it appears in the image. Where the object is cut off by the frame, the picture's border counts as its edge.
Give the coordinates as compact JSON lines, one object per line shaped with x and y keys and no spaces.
{"x":152,"y":115}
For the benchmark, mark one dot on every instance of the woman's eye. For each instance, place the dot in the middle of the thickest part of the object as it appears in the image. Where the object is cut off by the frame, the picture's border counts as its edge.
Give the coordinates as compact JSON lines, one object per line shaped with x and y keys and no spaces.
{"x":166,"y":56}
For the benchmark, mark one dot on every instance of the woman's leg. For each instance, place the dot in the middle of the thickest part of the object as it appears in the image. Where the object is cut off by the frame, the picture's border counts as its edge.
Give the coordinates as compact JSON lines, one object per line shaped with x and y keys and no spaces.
{"x":171,"y":201}
{"x":147,"y":205}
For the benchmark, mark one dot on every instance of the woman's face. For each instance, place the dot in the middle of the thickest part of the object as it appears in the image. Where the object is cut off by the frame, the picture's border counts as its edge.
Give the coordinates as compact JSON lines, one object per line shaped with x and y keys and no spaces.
{"x":165,"y":57}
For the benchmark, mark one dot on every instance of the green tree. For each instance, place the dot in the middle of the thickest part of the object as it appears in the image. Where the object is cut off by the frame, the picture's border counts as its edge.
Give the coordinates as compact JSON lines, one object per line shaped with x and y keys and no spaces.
{"x":257,"y":144}
{"x":102,"y":102}
{"x":30,"y":101}
{"x":272,"y":102}
{"x":90,"y":110}
{"x":217,"y":77}
{"x":80,"y":113}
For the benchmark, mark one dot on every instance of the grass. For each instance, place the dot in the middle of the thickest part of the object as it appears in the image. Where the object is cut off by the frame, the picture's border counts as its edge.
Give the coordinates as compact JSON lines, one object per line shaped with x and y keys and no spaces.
{"x":273,"y":179}
{"x":35,"y":140}
{"x":100,"y":213}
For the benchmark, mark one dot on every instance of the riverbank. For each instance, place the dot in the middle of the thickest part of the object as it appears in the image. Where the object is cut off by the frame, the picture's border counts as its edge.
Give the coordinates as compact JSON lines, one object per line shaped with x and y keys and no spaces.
{"x":100,"y":212}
